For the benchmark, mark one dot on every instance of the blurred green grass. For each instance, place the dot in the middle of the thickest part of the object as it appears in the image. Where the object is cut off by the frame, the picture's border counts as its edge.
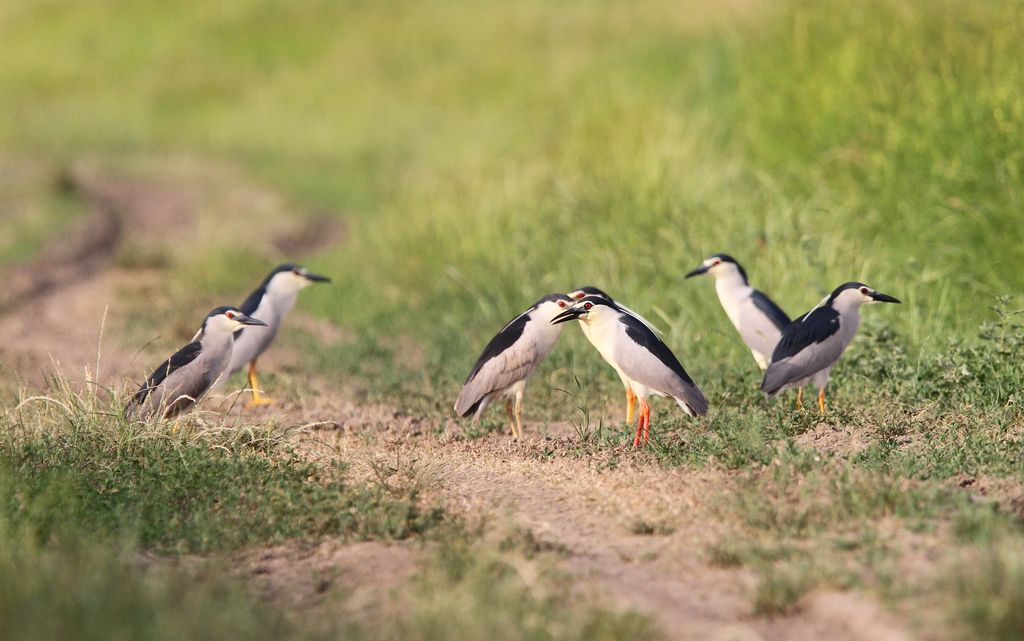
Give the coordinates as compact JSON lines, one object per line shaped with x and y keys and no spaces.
{"x":485,"y":154}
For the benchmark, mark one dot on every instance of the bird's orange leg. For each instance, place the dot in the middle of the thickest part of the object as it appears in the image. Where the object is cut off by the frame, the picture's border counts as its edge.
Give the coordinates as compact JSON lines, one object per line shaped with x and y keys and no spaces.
{"x":630,"y":405}
{"x":647,"y":422}
{"x":800,"y":398}
{"x":643,"y":423}
{"x":821,"y":401}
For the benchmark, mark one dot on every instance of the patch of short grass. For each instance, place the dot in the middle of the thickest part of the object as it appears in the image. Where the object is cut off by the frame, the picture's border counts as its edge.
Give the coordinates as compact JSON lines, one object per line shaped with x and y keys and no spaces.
{"x":93,"y":587}
{"x":987,"y":590}
{"x":72,"y":461}
{"x":499,"y":589}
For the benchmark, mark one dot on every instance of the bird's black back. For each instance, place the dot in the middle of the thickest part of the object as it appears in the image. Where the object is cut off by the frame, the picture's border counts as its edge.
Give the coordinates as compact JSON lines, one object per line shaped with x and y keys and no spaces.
{"x":509,"y":334}
{"x":179,"y":359}
{"x":249,"y":305}
{"x":642,"y":335}
{"x":768,"y":307}
{"x":590,"y":290}
{"x":807,"y":330}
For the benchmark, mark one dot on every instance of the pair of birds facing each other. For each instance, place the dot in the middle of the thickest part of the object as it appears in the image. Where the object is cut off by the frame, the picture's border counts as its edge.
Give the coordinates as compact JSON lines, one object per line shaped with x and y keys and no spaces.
{"x":229,"y":339}
{"x":646,"y":366}
{"x":791,"y":353}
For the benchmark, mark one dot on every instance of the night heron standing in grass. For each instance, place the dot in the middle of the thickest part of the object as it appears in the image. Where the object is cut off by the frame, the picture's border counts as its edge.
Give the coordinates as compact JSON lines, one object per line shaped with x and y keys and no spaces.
{"x":270,"y":303}
{"x":183,"y":379}
{"x":756,"y":317}
{"x":510,"y":359}
{"x":812,"y":344}
{"x":642,"y":360}
{"x":590,"y":290}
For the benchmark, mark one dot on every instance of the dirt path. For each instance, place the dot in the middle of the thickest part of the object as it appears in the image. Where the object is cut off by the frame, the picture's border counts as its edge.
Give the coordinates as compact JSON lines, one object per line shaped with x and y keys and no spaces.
{"x":597,"y":519}
{"x":632,"y":532}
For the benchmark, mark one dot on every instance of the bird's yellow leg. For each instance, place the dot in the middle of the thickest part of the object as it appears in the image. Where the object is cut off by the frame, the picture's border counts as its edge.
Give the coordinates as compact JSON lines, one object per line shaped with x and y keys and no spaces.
{"x":254,"y":385}
{"x":800,"y":398}
{"x":176,"y":426}
{"x":511,"y":416}
{"x":821,"y":401}
{"x":519,"y":416}
{"x":630,"y":405}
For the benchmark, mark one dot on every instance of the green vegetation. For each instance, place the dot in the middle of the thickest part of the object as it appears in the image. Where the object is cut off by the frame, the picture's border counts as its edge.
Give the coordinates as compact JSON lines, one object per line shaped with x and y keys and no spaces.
{"x":484,"y":154}
{"x":94,"y":504}
{"x":36,"y":209}
{"x":502,"y":590}
{"x":69,"y":464}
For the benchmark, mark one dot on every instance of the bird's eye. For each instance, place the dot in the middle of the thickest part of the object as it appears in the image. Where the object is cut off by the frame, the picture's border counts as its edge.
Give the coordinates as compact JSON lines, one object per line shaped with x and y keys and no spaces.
{"x":229,"y":314}
{"x":587,"y":306}
{"x":561,"y":303}
{"x":716,"y":263}
{"x":864,"y":290}
{"x":579,"y":296}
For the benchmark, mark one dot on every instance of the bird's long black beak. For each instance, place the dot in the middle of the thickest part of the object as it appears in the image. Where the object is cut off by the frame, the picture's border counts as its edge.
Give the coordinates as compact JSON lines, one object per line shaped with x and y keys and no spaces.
{"x":884,"y":298}
{"x":248,"y":320}
{"x":316,"y":278}
{"x":697,"y":272}
{"x":570,"y":314}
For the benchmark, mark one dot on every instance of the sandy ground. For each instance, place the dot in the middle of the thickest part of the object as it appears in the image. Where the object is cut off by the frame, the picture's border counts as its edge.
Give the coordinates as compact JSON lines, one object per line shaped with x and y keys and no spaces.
{"x":634,"y":532}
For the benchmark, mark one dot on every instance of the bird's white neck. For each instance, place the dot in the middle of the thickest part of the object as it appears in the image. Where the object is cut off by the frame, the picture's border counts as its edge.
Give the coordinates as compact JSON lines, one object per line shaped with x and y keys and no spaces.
{"x":281,"y":298}
{"x":732,"y":291}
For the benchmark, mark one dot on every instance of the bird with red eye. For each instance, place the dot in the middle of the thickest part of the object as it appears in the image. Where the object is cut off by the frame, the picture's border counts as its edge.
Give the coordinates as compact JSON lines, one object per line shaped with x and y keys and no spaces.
{"x":590,"y":290}
{"x":642,"y":360}
{"x":812,"y":344}
{"x":510,"y":359}
{"x":271,"y":302}
{"x":187,"y":376}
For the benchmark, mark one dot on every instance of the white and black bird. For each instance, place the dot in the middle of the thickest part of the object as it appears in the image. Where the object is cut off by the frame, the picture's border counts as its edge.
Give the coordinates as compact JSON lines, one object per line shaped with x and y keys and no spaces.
{"x":270,"y":303}
{"x":183,"y":379}
{"x":641,"y":359}
{"x":759,"y":321}
{"x":590,"y":290}
{"x":510,"y":359}
{"x":812,"y":344}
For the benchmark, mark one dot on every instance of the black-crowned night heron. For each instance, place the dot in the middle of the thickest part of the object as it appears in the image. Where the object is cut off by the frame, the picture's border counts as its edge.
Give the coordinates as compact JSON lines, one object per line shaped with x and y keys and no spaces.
{"x":510,"y":359}
{"x":756,"y":317}
{"x":590,"y":290}
{"x":813,"y":343}
{"x":183,"y":379}
{"x":270,"y":303}
{"x":641,"y":358}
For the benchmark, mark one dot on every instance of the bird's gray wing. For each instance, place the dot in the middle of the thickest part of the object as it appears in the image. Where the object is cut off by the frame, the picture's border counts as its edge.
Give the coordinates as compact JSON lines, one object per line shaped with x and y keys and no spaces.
{"x":808,"y":346}
{"x":770,"y":310}
{"x":759,"y":331}
{"x":644,"y":358}
{"x":183,"y":389}
{"x":513,"y":364}
{"x":179,"y":359}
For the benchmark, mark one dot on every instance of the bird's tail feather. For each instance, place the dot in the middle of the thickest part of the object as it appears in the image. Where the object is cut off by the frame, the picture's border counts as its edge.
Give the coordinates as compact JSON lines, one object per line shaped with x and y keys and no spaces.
{"x":774,"y":378}
{"x":693,"y":401}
